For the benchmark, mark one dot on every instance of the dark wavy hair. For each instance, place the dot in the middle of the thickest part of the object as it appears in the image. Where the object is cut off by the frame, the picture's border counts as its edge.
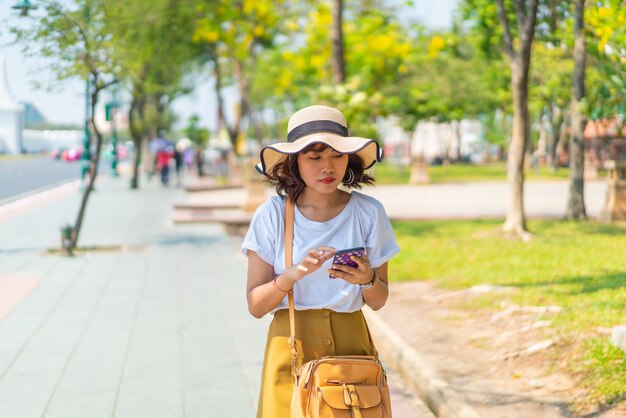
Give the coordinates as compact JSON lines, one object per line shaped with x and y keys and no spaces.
{"x":285,"y":176}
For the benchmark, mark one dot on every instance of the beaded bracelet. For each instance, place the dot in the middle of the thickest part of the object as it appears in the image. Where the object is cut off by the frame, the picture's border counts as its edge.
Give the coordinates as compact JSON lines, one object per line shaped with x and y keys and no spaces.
{"x":278,"y":287}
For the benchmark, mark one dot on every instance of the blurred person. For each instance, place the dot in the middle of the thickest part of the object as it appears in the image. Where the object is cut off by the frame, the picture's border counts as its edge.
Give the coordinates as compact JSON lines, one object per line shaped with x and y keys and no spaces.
{"x":163,"y":163}
{"x":200,"y":160}
{"x":188,"y":159}
{"x":178,"y":165}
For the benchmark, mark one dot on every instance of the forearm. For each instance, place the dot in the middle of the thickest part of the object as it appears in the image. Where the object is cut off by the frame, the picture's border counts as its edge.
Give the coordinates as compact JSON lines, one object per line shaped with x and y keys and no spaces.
{"x":263,"y":298}
{"x":376,"y":296}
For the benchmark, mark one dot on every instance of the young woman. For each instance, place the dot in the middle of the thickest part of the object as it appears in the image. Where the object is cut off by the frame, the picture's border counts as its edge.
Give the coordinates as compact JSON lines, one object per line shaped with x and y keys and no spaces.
{"x":318,"y":157}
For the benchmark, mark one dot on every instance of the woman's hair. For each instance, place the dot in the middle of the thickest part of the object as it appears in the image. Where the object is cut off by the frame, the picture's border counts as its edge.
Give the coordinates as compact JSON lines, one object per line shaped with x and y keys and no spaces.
{"x":285,"y":177}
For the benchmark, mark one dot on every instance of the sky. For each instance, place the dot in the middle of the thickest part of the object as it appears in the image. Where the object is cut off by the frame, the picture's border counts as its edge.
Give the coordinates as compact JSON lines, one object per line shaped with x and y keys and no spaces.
{"x":65,"y":103}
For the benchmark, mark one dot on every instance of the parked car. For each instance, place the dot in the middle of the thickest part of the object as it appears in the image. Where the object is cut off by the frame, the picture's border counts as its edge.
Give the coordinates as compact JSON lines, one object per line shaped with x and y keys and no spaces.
{"x":67,"y":153}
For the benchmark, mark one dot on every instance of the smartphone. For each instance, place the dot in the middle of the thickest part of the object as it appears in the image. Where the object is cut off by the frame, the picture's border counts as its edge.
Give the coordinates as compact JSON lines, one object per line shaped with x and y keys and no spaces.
{"x":343,"y":257}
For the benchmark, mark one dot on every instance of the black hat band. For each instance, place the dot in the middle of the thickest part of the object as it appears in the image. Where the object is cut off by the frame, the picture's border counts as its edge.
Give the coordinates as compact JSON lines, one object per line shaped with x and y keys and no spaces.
{"x":315,"y":127}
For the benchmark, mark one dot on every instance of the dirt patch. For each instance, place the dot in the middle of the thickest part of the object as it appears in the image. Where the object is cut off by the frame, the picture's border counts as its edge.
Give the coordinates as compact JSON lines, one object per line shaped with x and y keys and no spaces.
{"x":503,"y":364}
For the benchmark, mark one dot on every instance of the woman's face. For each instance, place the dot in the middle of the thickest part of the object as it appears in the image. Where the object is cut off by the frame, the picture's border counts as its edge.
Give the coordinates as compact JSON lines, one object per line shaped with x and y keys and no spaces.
{"x":322,"y":168}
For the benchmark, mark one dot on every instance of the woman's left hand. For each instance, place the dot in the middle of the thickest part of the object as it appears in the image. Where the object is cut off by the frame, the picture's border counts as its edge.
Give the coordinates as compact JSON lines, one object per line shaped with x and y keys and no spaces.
{"x":355,"y":275}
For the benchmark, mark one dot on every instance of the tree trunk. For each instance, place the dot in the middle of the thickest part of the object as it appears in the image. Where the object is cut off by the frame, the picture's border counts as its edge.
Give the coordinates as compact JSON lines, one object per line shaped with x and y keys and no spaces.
{"x":93,"y":170}
{"x":576,"y":201}
{"x":556,"y":124}
{"x":135,"y":116}
{"x":233,"y":131}
{"x":339,"y":70}
{"x":519,"y":56}
{"x":459,"y":140}
{"x":515,"y":218}
{"x":244,"y":102}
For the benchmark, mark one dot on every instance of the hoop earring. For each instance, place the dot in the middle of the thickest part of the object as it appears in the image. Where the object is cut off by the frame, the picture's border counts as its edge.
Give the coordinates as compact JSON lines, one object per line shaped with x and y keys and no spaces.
{"x":350,"y":178}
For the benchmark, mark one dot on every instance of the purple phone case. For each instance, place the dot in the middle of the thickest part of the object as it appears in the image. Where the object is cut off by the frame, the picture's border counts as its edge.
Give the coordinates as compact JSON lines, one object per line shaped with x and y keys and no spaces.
{"x":343,"y":256}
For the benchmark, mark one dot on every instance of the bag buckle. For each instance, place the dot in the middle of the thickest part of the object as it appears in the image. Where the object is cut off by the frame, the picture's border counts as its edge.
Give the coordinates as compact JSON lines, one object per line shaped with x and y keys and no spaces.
{"x":350,"y":395}
{"x":351,"y":399}
{"x":291,"y":342}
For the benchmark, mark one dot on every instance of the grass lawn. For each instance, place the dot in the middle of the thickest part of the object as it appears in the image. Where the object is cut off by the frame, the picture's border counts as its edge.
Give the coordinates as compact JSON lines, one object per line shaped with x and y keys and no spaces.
{"x":578,"y":266}
{"x":391,"y":174}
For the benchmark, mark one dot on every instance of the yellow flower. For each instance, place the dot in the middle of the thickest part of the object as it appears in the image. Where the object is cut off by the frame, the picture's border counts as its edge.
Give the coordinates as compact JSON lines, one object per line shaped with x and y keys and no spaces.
{"x":318,"y":61}
{"x":205,"y":35}
{"x":436,"y":45}
{"x":605,"y":11}
{"x":291,"y":25}
{"x":258,"y":31}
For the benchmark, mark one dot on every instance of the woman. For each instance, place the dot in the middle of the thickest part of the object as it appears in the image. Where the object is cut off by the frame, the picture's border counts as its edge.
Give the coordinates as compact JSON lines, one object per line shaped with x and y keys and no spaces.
{"x":318,"y":157}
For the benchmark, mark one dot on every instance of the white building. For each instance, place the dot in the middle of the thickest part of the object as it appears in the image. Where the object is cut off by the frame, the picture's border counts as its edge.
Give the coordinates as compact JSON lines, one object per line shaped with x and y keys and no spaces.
{"x":47,"y":140}
{"x":432,"y":140}
{"x":11,"y":124}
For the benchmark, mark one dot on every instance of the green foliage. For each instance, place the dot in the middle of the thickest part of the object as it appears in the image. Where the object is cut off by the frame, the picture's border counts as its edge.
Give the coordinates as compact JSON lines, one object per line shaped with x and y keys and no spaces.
{"x":496,"y":128}
{"x":551,"y":75}
{"x":297,"y":72}
{"x":236,"y":37}
{"x":193,"y":131}
{"x":73,"y":41}
{"x":153,"y":48}
{"x":606,"y":23}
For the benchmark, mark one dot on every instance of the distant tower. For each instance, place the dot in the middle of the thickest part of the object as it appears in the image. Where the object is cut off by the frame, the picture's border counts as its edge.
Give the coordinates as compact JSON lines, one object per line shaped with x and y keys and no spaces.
{"x":10,"y":116}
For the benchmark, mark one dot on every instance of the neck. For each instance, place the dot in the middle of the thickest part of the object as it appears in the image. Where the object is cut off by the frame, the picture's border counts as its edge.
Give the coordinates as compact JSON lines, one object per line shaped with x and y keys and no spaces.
{"x":310,"y":197}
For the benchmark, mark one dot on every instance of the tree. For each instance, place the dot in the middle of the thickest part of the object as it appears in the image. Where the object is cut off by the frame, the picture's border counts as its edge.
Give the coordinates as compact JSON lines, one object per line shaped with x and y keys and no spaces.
{"x":550,"y":78}
{"x":233,"y":35}
{"x":76,"y":42}
{"x":154,"y":49}
{"x":193,"y":131}
{"x":576,"y":201}
{"x":519,"y":57}
{"x":339,"y":67}
{"x":606,"y":73}
{"x":515,"y":32}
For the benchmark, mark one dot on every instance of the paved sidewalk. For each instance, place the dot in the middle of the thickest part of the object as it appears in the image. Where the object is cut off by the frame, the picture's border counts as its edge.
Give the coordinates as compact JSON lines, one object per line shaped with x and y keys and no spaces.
{"x":542,"y":199}
{"x":157,"y":330}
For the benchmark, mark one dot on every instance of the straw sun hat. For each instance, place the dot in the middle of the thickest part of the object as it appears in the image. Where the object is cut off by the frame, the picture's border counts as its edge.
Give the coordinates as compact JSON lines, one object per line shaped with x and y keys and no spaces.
{"x":319,"y":125}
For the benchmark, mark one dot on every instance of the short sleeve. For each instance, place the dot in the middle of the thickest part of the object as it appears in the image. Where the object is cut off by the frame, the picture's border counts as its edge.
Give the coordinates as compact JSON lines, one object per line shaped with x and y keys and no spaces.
{"x":262,"y":233}
{"x":381,"y":240}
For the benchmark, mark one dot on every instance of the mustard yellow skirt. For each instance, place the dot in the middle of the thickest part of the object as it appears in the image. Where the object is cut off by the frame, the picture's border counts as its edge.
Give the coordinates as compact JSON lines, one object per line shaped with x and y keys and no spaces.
{"x":322,"y":332}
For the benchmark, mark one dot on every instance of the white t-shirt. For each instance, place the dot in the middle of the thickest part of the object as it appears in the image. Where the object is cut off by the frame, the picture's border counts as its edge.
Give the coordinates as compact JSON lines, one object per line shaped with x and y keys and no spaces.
{"x":362,"y":223}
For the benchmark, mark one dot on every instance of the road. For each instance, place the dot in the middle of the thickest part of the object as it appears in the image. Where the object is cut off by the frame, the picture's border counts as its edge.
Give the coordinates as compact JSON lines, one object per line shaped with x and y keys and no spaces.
{"x":21,"y":176}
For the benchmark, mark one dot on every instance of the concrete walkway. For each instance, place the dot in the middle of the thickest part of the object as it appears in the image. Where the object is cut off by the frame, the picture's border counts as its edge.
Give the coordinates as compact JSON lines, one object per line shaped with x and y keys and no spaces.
{"x":542,"y":199}
{"x":155,"y":328}
{"x":159,"y":329}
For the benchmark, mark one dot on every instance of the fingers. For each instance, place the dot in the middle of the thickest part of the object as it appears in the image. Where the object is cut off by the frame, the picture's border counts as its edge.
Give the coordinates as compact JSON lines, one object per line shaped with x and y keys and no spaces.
{"x":311,"y":260}
{"x":350,"y":274}
{"x":361,"y":262}
{"x":322,"y":252}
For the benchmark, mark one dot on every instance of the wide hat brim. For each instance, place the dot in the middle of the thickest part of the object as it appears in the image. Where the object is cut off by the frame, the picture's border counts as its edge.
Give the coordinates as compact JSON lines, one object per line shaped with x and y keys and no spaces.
{"x":367,"y":149}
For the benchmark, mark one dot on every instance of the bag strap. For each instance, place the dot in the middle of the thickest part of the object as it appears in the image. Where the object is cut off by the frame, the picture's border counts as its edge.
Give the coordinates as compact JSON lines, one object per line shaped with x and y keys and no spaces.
{"x":289,"y":220}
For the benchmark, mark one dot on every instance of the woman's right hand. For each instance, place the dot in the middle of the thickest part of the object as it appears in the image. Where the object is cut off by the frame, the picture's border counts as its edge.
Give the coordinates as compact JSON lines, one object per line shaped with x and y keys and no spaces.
{"x":314,"y":259}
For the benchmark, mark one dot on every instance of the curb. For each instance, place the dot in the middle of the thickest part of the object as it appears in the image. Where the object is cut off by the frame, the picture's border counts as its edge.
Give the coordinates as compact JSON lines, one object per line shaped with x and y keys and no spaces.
{"x":31,"y":200}
{"x":418,"y":375}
